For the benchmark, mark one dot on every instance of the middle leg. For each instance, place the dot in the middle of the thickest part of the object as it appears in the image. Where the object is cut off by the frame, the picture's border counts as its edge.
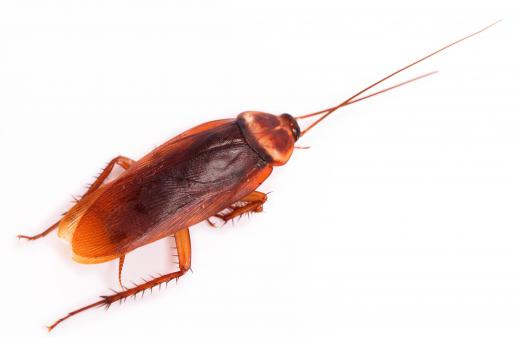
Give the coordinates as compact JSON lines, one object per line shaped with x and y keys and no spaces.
{"x":252,"y":202}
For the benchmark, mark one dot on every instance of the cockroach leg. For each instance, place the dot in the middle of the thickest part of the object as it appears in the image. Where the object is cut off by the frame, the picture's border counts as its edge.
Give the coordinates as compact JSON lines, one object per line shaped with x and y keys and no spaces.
{"x":252,"y":202}
{"x":40,"y":235}
{"x":182,"y":240}
{"x":211,"y":223}
{"x":124,"y":162}
{"x":121,"y":263}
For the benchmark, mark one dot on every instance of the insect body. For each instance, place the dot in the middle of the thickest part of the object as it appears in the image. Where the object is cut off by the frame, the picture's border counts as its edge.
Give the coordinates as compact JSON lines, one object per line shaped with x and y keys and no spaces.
{"x":183,"y":182}
{"x":212,"y":170}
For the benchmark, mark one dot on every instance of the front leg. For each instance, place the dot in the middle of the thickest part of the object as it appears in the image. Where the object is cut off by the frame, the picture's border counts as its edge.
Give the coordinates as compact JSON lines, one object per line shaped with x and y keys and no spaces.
{"x":252,"y":202}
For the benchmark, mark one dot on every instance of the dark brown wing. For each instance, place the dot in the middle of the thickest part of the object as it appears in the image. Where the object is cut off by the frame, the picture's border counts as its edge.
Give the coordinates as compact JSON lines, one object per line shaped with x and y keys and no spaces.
{"x":181,"y":183}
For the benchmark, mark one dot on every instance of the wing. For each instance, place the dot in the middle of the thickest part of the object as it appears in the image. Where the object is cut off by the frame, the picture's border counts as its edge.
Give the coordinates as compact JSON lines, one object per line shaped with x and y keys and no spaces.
{"x":181,"y":183}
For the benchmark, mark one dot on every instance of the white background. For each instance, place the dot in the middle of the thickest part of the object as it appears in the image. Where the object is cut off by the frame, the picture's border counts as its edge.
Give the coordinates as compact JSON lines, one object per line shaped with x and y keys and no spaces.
{"x":401,"y":220}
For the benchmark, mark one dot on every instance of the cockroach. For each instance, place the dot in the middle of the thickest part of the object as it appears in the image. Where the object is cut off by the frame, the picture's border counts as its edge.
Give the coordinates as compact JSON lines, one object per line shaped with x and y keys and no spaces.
{"x":210,"y":171}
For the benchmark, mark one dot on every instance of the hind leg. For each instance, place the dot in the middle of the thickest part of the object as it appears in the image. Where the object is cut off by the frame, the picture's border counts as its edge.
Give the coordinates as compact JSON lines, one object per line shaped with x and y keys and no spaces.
{"x":183,"y":244}
{"x":124,"y":162}
{"x":39,"y":235}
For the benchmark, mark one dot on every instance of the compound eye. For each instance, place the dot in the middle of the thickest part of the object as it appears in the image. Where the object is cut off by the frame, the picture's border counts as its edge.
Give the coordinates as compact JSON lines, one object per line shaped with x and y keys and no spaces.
{"x":293,"y":124}
{"x":296,"y":132}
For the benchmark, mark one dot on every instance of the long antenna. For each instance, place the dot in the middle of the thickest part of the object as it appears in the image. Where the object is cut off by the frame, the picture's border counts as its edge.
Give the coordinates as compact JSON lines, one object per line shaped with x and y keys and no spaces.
{"x":329,"y":111}
{"x":358,"y":99}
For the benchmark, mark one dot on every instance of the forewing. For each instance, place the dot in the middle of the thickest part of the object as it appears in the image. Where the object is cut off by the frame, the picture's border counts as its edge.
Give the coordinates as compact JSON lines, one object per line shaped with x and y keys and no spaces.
{"x":177,"y":185}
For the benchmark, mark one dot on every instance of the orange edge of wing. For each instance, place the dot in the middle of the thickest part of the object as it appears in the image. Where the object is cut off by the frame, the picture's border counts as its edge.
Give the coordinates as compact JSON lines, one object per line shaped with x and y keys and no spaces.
{"x":70,"y":222}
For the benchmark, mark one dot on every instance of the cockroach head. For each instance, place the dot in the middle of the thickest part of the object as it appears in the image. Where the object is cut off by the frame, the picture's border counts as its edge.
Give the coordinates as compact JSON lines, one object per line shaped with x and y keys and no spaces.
{"x":271,"y":136}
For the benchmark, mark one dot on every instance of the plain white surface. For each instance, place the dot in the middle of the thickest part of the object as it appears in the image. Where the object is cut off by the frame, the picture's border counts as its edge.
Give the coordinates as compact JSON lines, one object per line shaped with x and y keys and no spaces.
{"x":401,"y":220}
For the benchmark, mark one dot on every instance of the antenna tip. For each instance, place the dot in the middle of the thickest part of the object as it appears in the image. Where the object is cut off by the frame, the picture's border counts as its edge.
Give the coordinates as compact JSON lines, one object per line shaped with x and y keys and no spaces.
{"x":494,"y":23}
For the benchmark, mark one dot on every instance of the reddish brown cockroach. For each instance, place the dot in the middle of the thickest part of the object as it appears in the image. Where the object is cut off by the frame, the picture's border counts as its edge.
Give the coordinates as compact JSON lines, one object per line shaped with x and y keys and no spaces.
{"x":211,"y":170}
